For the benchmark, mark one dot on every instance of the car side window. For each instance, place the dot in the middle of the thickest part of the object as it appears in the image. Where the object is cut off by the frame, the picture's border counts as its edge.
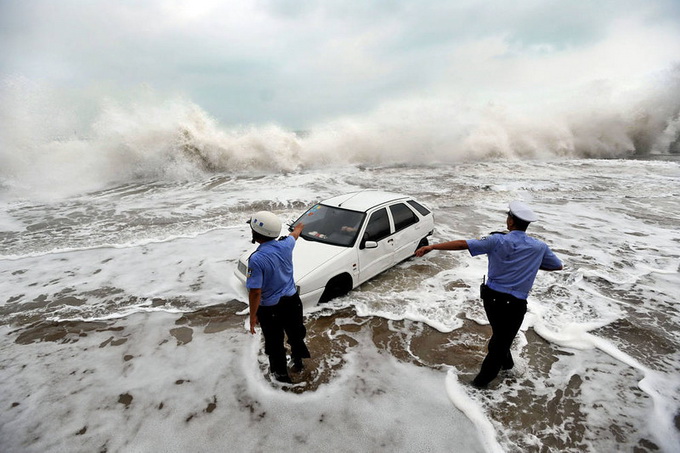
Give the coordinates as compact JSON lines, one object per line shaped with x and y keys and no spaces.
{"x":403,"y":216}
{"x":378,"y":226}
{"x":419,"y":207}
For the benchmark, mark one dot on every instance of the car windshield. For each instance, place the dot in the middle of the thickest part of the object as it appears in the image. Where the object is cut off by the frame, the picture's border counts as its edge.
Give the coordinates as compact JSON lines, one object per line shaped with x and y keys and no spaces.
{"x":331,"y":225}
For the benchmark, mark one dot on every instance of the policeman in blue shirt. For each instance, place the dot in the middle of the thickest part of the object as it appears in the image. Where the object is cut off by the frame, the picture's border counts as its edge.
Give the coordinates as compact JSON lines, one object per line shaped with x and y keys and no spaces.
{"x":514,"y":260}
{"x":272,"y":295}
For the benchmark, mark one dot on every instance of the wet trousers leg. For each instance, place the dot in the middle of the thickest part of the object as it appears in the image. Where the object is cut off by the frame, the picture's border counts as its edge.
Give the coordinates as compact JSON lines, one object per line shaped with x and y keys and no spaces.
{"x":294,"y":327}
{"x":272,"y":330}
{"x":505,"y":314}
{"x":277,"y":322}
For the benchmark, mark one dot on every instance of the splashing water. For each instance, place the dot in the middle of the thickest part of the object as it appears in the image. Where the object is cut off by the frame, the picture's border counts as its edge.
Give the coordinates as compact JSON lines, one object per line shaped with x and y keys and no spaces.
{"x":49,"y":149}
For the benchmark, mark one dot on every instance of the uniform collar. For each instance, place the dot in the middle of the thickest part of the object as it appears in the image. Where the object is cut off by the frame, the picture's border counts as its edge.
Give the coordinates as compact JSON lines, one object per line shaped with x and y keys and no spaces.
{"x":265,"y":244}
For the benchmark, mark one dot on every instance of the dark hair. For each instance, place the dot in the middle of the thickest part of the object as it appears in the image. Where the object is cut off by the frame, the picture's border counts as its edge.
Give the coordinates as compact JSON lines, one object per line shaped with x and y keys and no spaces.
{"x":519,"y":223}
{"x":257,"y":237}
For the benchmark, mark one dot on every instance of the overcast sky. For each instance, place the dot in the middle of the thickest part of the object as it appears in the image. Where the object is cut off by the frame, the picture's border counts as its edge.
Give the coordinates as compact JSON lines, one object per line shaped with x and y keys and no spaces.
{"x":297,"y":63}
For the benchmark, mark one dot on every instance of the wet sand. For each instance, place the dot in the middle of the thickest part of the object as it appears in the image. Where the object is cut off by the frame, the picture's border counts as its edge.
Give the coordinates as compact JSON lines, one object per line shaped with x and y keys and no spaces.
{"x":555,"y":417}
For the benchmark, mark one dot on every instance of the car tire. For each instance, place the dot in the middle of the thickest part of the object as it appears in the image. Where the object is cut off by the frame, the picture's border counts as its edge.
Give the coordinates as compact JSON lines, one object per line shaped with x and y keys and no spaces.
{"x":423,"y":243}
{"x":336,"y":287}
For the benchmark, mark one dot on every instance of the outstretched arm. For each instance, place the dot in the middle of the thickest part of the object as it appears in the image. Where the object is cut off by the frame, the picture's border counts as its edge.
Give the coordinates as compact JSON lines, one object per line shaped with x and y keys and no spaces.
{"x":551,"y":262}
{"x":451,"y":245}
{"x":297,"y":230}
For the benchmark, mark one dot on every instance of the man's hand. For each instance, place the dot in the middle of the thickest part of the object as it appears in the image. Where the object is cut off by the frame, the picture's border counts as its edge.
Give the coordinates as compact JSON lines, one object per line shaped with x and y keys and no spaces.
{"x":297,"y":230}
{"x":254,"y":297}
{"x":253,"y":322}
{"x":424,"y":250}
{"x":459,"y":244}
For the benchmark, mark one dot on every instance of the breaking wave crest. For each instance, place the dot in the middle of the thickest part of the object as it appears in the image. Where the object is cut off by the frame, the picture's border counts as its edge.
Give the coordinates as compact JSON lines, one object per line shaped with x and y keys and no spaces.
{"x":47,"y":147}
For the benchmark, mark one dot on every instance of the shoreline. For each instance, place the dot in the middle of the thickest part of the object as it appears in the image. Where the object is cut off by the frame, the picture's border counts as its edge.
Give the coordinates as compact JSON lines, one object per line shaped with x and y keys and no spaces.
{"x":515,"y":404}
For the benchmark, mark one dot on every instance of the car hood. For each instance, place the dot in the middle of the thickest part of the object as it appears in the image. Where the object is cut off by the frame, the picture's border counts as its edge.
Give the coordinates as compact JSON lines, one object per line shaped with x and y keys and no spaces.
{"x":310,"y":255}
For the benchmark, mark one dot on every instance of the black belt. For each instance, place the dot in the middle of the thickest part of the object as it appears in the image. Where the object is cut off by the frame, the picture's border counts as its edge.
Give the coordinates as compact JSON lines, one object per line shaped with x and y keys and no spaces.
{"x":487,"y":293}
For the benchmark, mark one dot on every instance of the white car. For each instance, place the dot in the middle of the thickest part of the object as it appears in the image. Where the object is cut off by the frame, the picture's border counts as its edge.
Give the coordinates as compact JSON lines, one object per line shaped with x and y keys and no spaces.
{"x":350,"y":239}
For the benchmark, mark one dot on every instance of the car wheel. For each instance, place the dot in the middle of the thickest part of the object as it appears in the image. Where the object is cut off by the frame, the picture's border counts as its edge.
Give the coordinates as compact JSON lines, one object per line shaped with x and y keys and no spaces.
{"x":423,"y":243}
{"x":336,"y":287}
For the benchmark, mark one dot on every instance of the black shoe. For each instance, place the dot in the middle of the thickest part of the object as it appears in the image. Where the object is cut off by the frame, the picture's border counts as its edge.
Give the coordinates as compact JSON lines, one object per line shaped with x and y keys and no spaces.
{"x":478,"y":385}
{"x":297,"y":366}
{"x":283,"y":378}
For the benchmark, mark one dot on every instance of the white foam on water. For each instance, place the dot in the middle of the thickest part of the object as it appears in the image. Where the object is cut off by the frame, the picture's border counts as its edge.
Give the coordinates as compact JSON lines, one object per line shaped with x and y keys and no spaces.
{"x":613,"y":222}
{"x":463,"y":401}
{"x":653,"y":383}
{"x":152,"y":393}
{"x":116,"y":281}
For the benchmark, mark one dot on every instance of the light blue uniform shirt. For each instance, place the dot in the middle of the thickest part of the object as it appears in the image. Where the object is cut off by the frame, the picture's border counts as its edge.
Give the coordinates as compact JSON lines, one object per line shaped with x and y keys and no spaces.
{"x":270,"y":268}
{"x":514,"y":261}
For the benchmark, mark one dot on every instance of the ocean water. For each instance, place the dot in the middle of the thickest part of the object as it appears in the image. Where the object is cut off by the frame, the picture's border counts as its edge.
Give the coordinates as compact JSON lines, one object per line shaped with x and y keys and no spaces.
{"x":123,"y":329}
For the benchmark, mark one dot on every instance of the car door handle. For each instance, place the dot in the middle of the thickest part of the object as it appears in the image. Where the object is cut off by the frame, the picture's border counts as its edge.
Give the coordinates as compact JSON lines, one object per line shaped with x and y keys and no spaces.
{"x":390,"y":240}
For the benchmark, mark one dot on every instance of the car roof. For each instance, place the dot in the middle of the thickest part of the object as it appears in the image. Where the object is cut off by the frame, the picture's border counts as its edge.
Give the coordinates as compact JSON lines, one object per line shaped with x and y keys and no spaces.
{"x":364,"y":200}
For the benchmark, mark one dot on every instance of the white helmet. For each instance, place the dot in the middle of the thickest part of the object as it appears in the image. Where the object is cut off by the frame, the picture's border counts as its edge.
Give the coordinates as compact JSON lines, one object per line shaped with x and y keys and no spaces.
{"x":266,"y":223}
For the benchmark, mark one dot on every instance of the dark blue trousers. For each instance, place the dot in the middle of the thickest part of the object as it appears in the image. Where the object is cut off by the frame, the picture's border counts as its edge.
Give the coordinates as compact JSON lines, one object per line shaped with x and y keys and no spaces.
{"x":284,"y":318}
{"x":505,"y":313}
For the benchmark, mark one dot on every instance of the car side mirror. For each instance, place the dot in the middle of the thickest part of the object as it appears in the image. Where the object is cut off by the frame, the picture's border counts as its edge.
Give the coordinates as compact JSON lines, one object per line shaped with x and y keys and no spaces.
{"x":362,"y":244}
{"x":370,"y":245}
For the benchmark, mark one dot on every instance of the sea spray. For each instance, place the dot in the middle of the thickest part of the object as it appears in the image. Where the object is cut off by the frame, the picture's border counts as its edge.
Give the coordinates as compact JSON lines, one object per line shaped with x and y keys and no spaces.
{"x":56,"y":145}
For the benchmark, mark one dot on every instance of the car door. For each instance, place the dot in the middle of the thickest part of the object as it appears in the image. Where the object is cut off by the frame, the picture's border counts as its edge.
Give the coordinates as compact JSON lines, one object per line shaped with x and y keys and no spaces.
{"x":374,"y":260}
{"x":407,"y":233}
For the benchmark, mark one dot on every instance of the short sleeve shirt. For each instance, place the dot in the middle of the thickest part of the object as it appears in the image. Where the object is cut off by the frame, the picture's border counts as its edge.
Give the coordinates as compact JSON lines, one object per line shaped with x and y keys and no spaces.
{"x":270,"y":268}
{"x":514,"y":261}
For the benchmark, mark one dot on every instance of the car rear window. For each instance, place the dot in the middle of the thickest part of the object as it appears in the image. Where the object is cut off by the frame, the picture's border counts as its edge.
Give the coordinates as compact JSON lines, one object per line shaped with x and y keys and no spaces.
{"x":403,"y":216}
{"x":419,"y":207}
